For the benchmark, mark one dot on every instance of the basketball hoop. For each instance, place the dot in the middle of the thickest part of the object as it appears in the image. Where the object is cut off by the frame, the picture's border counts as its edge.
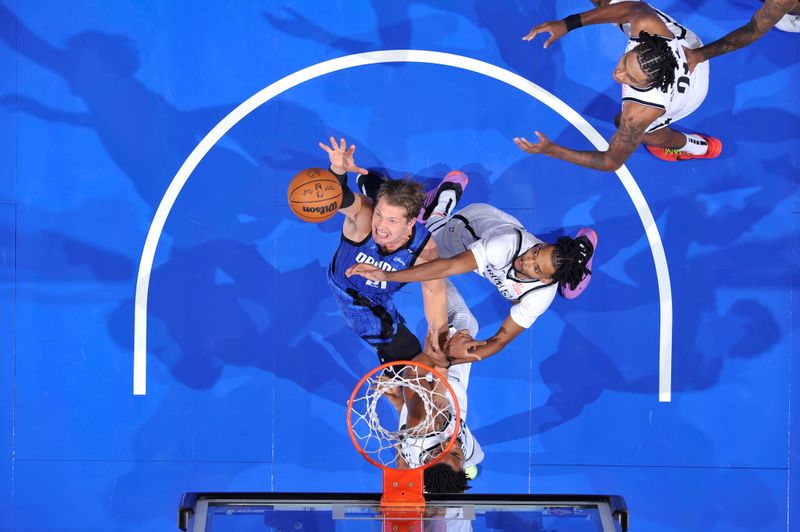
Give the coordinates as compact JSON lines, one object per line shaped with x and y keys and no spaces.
{"x":381,"y":445}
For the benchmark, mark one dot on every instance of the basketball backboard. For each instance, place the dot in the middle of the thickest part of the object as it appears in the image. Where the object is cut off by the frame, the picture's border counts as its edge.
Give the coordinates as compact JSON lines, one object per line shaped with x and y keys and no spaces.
{"x":225,"y":512}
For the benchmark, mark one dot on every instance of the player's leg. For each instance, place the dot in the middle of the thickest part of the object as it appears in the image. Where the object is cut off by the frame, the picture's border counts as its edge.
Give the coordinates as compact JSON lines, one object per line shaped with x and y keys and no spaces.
{"x":458,"y":314}
{"x":665,"y":138}
{"x":670,"y":145}
{"x":393,"y":342}
{"x":403,"y":345}
{"x":460,"y":318}
{"x":453,"y":235}
{"x":440,"y":203}
{"x":398,"y":343}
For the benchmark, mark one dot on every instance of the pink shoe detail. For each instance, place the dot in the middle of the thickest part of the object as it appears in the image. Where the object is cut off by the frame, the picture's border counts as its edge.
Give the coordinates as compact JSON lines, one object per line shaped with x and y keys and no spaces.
{"x":458,"y":181}
{"x":565,"y":289}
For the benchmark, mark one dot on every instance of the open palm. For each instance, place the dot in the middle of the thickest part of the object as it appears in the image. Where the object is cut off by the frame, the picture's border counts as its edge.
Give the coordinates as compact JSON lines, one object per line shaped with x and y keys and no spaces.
{"x":341,"y":157}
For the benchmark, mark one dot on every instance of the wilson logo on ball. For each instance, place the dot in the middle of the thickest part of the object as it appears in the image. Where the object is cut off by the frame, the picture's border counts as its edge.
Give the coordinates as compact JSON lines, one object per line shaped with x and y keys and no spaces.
{"x":322,"y":209}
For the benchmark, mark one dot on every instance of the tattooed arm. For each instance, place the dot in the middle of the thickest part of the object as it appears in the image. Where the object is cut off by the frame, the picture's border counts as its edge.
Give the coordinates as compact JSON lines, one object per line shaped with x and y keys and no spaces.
{"x":633,"y":123}
{"x":764,"y":19}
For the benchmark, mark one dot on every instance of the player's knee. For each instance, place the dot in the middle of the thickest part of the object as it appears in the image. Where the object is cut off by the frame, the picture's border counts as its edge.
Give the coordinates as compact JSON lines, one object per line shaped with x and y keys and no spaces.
{"x":472,"y":326}
{"x":464,"y":320}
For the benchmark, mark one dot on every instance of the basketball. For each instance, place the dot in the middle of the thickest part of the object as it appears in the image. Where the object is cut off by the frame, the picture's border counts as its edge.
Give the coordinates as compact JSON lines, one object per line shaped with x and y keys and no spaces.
{"x":314,"y":195}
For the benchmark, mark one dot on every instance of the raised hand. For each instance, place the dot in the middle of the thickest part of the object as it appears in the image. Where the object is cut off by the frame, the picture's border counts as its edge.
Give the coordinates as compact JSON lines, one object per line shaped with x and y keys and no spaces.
{"x":556,"y":29}
{"x":367,"y":271}
{"x":530,"y":147}
{"x":341,"y":157}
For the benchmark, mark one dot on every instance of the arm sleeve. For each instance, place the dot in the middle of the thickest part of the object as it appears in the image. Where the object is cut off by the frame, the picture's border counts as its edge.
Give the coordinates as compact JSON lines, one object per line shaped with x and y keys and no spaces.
{"x":347,"y":195}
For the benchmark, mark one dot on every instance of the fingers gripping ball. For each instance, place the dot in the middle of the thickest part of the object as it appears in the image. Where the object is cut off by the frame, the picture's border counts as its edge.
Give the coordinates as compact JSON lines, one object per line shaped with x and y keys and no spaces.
{"x":314,"y":195}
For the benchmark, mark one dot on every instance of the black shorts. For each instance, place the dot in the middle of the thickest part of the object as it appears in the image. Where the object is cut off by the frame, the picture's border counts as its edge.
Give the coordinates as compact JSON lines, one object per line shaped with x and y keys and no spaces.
{"x":403,"y":345}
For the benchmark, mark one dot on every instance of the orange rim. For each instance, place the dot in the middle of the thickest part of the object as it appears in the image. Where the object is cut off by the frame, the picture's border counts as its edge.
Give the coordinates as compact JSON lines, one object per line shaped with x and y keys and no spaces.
{"x":436,"y":374}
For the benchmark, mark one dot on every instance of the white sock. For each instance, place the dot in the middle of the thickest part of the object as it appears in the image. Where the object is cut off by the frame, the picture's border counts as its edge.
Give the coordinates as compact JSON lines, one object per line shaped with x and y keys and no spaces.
{"x":447,"y":200}
{"x":695,"y":144}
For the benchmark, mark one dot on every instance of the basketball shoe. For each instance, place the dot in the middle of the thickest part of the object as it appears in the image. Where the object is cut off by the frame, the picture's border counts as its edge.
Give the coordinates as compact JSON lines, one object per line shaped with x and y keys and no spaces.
{"x":673,"y":155}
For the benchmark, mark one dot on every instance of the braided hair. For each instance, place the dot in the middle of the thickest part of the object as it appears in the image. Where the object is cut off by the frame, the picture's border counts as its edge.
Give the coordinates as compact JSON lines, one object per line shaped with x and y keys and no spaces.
{"x":657,"y":60}
{"x":570,"y":256}
{"x":441,"y":478}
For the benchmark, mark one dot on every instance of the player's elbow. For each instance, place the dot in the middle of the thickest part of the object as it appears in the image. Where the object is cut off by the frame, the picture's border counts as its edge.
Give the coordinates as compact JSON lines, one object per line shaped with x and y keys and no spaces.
{"x":434,"y":286}
{"x":639,"y":12}
{"x":760,"y":24}
{"x":611,"y":164}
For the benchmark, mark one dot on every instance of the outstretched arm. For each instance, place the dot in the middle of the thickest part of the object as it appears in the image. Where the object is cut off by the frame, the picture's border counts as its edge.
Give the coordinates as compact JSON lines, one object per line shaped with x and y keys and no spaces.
{"x":435,"y":269}
{"x":39,"y":110}
{"x":638,"y":14}
{"x":633,"y":124}
{"x":764,"y":19}
{"x":358,"y":210}
{"x":16,"y":35}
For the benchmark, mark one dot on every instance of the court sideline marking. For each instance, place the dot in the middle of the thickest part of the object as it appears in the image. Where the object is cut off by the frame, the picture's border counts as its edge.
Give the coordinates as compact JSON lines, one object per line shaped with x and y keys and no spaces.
{"x":398,"y":56}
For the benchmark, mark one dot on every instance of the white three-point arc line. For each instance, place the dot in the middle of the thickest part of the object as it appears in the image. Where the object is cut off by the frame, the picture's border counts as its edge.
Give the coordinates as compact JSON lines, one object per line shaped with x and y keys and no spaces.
{"x":398,"y":56}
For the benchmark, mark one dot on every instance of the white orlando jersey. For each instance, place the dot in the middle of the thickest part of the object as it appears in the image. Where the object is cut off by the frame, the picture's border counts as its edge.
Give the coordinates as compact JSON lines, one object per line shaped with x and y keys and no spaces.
{"x":496,"y":239}
{"x":688,"y":90}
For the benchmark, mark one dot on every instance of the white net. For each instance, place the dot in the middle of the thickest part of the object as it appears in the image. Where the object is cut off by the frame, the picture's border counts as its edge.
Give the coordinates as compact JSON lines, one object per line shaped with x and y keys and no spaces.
{"x":430,"y":420}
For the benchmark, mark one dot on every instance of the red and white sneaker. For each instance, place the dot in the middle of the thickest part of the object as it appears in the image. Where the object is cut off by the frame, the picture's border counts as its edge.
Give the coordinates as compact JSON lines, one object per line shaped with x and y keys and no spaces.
{"x":565,"y":290}
{"x":455,"y":181}
{"x":672,"y":155}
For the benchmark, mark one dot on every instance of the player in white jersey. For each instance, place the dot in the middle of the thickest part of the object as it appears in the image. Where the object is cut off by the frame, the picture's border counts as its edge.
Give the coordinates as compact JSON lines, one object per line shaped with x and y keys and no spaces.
{"x":494,"y":244}
{"x":459,"y":465}
{"x":790,"y":22}
{"x":657,"y":88}
{"x":780,"y":14}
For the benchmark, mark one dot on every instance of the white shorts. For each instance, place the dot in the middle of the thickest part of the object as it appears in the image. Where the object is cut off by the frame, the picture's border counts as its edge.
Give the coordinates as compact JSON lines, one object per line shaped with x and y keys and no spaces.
{"x":452,"y":236}
{"x":790,"y":23}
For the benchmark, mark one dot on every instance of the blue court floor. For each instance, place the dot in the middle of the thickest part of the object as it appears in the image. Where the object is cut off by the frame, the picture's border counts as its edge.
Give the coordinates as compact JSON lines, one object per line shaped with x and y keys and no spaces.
{"x":108,"y":175}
